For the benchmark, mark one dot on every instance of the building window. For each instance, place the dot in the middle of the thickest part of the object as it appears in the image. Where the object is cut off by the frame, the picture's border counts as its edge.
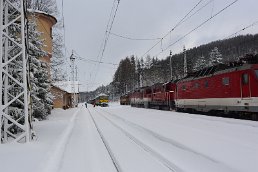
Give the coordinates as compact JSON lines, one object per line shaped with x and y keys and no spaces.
{"x":225,"y":81}
{"x":51,"y":33}
{"x":245,"y":78}
{"x":183,"y":87}
{"x":206,"y":84}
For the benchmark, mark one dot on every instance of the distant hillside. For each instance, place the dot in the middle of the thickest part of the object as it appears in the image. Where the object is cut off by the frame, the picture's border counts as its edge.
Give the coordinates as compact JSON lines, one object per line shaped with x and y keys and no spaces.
{"x":230,"y":49}
{"x":133,"y":72}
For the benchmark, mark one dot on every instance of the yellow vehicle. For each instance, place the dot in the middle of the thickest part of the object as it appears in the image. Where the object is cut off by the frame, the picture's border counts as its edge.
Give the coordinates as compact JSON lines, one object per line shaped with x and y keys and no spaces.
{"x":102,"y":100}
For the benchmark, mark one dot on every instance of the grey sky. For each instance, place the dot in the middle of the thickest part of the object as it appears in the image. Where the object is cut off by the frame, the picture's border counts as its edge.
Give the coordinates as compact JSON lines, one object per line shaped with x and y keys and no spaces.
{"x":86,"y":22}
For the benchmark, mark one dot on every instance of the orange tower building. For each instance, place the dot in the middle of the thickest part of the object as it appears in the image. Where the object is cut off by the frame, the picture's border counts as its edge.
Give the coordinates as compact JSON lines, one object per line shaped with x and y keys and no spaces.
{"x":44,"y":23}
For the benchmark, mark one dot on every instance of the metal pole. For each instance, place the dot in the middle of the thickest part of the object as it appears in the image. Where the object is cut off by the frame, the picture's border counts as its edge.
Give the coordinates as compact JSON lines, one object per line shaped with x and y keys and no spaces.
{"x":185,"y":62}
{"x":77,"y":87}
{"x":6,"y":48}
{"x":24,"y":59}
{"x":14,"y":93}
{"x":1,"y":65}
{"x":171,"y":70}
{"x":72,"y":58}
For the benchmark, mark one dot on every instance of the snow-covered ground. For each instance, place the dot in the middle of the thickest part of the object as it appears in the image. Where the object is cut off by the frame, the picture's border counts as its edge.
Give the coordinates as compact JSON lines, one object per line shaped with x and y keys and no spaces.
{"x":122,"y":138}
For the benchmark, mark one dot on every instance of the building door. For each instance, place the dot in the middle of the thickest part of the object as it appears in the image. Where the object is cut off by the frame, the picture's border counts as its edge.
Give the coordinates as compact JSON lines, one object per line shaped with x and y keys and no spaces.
{"x":245,"y":85}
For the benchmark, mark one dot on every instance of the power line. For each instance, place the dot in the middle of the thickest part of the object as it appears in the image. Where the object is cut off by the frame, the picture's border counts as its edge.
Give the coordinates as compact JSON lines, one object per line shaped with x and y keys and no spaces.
{"x":134,"y":39}
{"x":198,"y":10}
{"x":247,"y":27}
{"x":198,"y":26}
{"x":93,"y":61}
{"x":178,"y":24}
{"x":105,"y":34}
{"x":109,"y":30}
{"x":150,"y":39}
{"x":110,"y":23}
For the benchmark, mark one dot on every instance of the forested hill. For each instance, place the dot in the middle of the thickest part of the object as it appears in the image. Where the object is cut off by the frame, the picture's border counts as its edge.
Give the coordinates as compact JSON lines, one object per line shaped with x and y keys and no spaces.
{"x":134,"y":72}
{"x":230,"y":49}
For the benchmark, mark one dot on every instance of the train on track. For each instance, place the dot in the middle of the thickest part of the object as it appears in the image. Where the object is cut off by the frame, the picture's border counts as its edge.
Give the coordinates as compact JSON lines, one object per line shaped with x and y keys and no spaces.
{"x":225,"y":89}
{"x":100,"y":100}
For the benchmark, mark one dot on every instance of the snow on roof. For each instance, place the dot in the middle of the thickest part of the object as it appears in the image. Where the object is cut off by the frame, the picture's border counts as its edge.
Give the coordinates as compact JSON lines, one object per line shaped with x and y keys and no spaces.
{"x":102,"y":94}
{"x":67,"y":86}
{"x":37,"y":11}
{"x":41,"y":12}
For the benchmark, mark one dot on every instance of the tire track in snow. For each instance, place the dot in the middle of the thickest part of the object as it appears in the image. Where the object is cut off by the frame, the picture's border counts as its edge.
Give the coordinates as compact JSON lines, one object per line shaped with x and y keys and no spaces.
{"x":171,"y":166}
{"x":111,"y":154}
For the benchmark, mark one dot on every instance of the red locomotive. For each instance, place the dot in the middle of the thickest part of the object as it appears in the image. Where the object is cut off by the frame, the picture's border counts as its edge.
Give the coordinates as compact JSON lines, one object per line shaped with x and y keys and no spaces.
{"x":125,"y":99}
{"x":218,"y":89}
{"x":159,"y":96}
{"x":221,"y":88}
{"x":136,"y":97}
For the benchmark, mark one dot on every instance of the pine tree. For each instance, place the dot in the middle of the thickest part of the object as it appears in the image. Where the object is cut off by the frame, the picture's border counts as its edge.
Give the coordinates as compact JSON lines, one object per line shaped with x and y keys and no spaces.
{"x":215,"y":57}
{"x":41,"y":98}
{"x":148,"y":62}
{"x":57,"y":60}
{"x":200,"y":64}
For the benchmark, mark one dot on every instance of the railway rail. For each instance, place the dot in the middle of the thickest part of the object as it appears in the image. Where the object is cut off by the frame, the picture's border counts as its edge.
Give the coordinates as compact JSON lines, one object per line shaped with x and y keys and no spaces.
{"x":111,"y":154}
{"x":160,"y":137}
{"x":168,"y":144}
{"x":162,"y":160}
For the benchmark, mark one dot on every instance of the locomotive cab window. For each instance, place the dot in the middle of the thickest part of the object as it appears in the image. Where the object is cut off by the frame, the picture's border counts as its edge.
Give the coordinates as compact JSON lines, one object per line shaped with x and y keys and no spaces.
{"x":225,"y":81}
{"x":206,"y":84}
{"x":256,"y":72}
{"x":245,"y":78}
{"x":196,"y":85}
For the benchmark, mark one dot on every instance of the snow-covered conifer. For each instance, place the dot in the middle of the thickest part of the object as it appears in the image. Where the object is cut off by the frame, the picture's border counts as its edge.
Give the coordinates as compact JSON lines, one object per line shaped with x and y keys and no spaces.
{"x":39,"y":78}
{"x":215,"y":57}
{"x":200,"y":64}
{"x":148,"y":62}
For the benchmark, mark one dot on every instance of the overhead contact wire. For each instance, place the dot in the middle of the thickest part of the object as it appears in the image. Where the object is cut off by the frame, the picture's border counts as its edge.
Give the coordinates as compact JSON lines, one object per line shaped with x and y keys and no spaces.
{"x":199,"y":26}
{"x":247,"y":27}
{"x":134,"y":39}
{"x":178,"y":24}
{"x":107,"y":33}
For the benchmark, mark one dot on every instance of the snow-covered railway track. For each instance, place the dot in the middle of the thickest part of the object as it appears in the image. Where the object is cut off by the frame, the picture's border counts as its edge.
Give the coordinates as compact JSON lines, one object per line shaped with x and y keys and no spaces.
{"x":159,"y":137}
{"x":111,"y":154}
{"x":166,"y":148}
{"x":162,"y":160}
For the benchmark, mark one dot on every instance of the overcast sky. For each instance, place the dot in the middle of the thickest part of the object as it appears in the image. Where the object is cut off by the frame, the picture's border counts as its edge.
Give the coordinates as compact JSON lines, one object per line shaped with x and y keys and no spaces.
{"x":86,"y":22}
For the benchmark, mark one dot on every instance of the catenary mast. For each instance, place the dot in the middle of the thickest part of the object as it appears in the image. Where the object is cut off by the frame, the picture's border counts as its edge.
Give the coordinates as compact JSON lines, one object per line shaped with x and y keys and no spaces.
{"x":14,"y":113}
{"x":185,"y":62}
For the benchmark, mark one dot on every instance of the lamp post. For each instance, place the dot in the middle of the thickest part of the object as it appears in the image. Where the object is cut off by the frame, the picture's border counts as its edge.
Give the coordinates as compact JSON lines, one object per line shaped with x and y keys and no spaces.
{"x":72,"y":59}
{"x":170,"y":61}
